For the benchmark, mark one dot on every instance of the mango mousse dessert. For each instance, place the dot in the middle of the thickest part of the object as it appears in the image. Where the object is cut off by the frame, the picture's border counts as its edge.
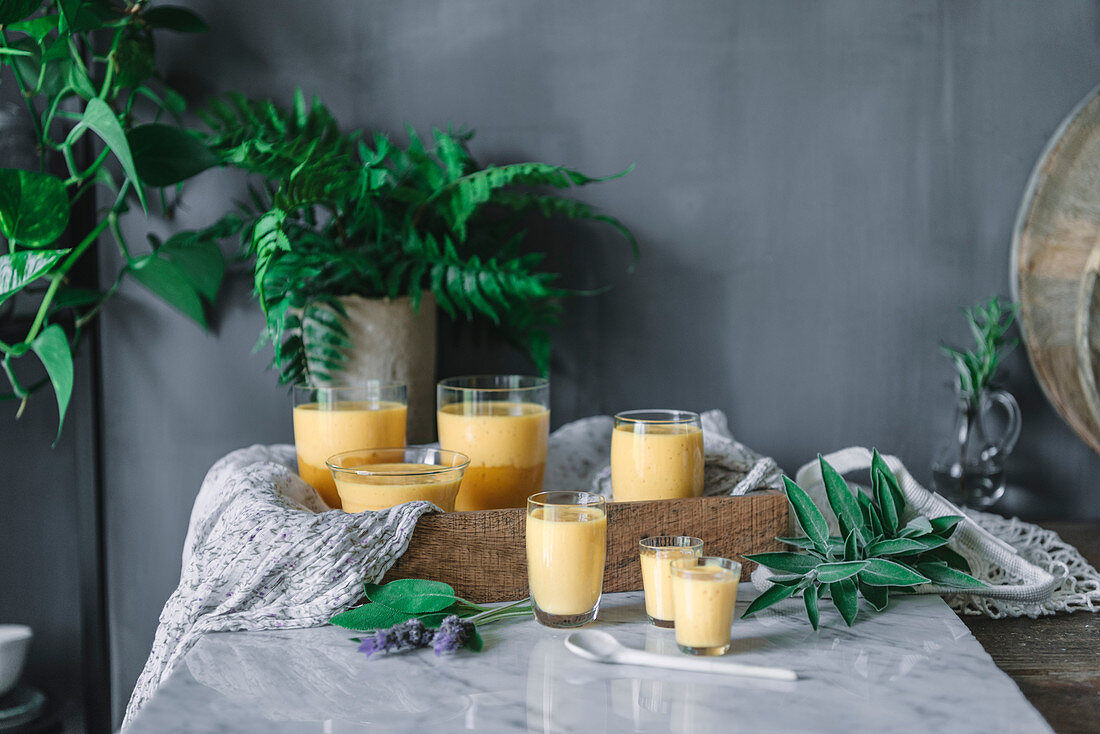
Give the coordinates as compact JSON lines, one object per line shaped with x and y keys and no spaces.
{"x":376,"y":479}
{"x":704,"y":592}
{"x":331,"y":420}
{"x":502,"y":422}
{"x":656,"y":454}
{"x":566,"y":552}
{"x":657,"y":555}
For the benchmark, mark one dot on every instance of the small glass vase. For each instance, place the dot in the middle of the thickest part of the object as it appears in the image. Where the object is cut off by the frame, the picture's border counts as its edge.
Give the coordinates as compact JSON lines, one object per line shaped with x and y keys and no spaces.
{"x":969,"y":468}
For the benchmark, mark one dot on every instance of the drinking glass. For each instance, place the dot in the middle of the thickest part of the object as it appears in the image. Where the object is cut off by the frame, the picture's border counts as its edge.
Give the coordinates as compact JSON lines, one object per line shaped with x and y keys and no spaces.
{"x":657,"y":555}
{"x":374,"y":479}
{"x":656,"y":455}
{"x":566,"y":552}
{"x":332,"y":419}
{"x":502,"y":422}
{"x":704,"y":591}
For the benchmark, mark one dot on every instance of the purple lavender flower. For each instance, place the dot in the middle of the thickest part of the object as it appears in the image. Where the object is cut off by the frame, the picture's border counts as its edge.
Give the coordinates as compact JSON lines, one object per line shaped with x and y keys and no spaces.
{"x":452,"y":634}
{"x":407,"y":635}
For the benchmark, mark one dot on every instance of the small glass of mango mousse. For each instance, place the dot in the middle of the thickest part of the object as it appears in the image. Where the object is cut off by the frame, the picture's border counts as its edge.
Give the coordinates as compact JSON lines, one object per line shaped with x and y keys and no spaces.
{"x":376,"y":479}
{"x":704,"y":592}
{"x":331,"y":419}
{"x":656,"y":455}
{"x":657,"y":555}
{"x":566,"y":553}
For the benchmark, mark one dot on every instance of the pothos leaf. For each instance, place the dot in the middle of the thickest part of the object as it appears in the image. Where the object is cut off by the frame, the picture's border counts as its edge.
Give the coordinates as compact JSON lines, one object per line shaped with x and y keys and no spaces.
{"x":52,"y":347}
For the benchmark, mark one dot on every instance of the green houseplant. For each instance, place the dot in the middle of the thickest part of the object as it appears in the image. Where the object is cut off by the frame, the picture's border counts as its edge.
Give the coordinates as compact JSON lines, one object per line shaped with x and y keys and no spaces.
{"x":86,"y":73}
{"x":333,"y":214}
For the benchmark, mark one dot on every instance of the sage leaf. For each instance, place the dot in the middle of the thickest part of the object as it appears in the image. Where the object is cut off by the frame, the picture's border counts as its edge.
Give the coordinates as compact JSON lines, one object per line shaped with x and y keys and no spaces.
{"x":852,"y":545}
{"x":34,"y":209}
{"x":874,"y":519}
{"x":773,"y":595}
{"x":414,"y":596}
{"x":800,"y":542}
{"x":52,"y":347}
{"x":917,"y":526}
{"x":368,"y":617}
{"x":809,"y":596}
{"x":877,"y":462}
{"x":882,"y":572}
{"x":877,"y":596}
{"x":950,"y":557}
{"x":895,"y":547}
{"x":475,"y":643}
{"x":845,"y":599}
{"x":844,"y":505}
{"x":941,"y":573}
{"x":884,"y":499}
{"x":946,"y":525}
{"x":808,"y":516}
{"x":828,"y":573}
{"x":785,"y":561}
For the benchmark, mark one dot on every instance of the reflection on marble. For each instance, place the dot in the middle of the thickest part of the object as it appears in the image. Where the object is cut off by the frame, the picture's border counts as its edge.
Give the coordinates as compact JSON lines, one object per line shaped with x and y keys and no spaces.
{"x":914,"y":667}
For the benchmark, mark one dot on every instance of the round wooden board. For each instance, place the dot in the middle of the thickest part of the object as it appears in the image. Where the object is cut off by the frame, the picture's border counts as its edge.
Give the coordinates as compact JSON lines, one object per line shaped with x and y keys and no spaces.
{"x":1056,"y":261}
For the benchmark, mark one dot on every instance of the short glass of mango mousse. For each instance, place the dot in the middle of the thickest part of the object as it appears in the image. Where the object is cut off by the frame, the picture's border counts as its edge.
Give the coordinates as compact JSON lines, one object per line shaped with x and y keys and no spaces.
{"x":566,"y":552}
{"x":657,"y":555}
{"x":656,"y":455}
{"x":333,"y":419}
{"x":375,"y":479}
{"x":502,"y":422}
{"x":704,"y":591}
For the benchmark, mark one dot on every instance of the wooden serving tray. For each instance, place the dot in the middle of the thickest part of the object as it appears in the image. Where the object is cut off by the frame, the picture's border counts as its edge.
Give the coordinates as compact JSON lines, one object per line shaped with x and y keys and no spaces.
{"x":483,"y":554}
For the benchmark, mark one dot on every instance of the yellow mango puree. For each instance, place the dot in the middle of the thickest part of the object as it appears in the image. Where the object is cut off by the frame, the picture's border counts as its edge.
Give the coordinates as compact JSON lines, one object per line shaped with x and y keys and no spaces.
{"x":704,"y":601}
{"x":506,"y":443}
{"x":324,"y":429}
{"x":566,"y":550}
{"x":659,"y":462}
{"x":363,"y":492}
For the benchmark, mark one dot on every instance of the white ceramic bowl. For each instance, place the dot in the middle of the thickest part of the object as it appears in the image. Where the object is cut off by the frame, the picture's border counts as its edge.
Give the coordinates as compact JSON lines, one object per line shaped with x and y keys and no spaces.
{"x":14,"y":641}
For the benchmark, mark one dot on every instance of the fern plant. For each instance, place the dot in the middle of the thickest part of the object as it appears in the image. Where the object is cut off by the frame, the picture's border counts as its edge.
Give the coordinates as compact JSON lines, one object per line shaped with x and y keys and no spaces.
{"x":331,"y":213}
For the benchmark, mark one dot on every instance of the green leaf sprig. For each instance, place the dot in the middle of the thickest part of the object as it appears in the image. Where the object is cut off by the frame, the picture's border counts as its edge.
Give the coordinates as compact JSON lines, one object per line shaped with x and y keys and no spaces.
{"x":874,"y":554}
{"x":989,"y":324}
{"x":429,"y":601}
{"x":86,"y":73}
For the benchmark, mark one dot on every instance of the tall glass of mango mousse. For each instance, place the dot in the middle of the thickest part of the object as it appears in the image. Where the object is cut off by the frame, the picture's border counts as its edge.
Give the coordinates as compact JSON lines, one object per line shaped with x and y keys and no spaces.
{"x":656,"y":455}
{"x":566,"y":552}
{"x":657,"y":555}
{"x":502,"y":422}
{"x":704,"y":592}
{"x":333,"y":419}
{"x":375,"y":479}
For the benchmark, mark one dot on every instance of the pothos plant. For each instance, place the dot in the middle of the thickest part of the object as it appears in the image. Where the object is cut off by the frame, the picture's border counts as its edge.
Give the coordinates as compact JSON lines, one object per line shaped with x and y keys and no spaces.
{"x":333,"y":213}
{"x":874,"y":555}
{"x":86,"y":73}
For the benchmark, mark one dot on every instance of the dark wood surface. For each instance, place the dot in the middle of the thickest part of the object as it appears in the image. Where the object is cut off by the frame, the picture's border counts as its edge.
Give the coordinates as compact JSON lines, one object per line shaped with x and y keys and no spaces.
{"x":483,"y":555}
{"x":1055,"y":660}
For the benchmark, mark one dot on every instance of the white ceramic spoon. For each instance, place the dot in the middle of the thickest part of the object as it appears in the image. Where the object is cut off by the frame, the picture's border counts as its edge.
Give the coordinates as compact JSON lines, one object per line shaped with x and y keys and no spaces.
{"x":603,"y":648}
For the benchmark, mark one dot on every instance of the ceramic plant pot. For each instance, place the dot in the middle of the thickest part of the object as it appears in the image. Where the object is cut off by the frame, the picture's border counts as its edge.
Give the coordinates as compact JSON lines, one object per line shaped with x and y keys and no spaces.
{"x":391,"y":342}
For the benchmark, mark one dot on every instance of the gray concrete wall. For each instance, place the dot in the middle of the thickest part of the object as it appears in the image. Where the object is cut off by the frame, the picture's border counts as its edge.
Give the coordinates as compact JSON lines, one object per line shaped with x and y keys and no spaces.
{"x":819,"y":186}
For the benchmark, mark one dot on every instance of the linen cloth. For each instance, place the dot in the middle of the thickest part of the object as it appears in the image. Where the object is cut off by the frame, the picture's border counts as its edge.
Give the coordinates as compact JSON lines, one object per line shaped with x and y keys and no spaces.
{"x":263,"y":551}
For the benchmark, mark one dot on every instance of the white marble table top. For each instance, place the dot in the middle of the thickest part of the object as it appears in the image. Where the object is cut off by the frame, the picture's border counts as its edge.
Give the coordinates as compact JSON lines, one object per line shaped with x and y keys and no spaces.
{"x":914,"y":667}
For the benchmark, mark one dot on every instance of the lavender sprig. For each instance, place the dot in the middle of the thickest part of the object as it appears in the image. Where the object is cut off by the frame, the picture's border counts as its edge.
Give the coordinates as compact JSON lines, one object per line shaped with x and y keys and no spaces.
{"x":408,"y":635}
{"x":452,"y":635}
